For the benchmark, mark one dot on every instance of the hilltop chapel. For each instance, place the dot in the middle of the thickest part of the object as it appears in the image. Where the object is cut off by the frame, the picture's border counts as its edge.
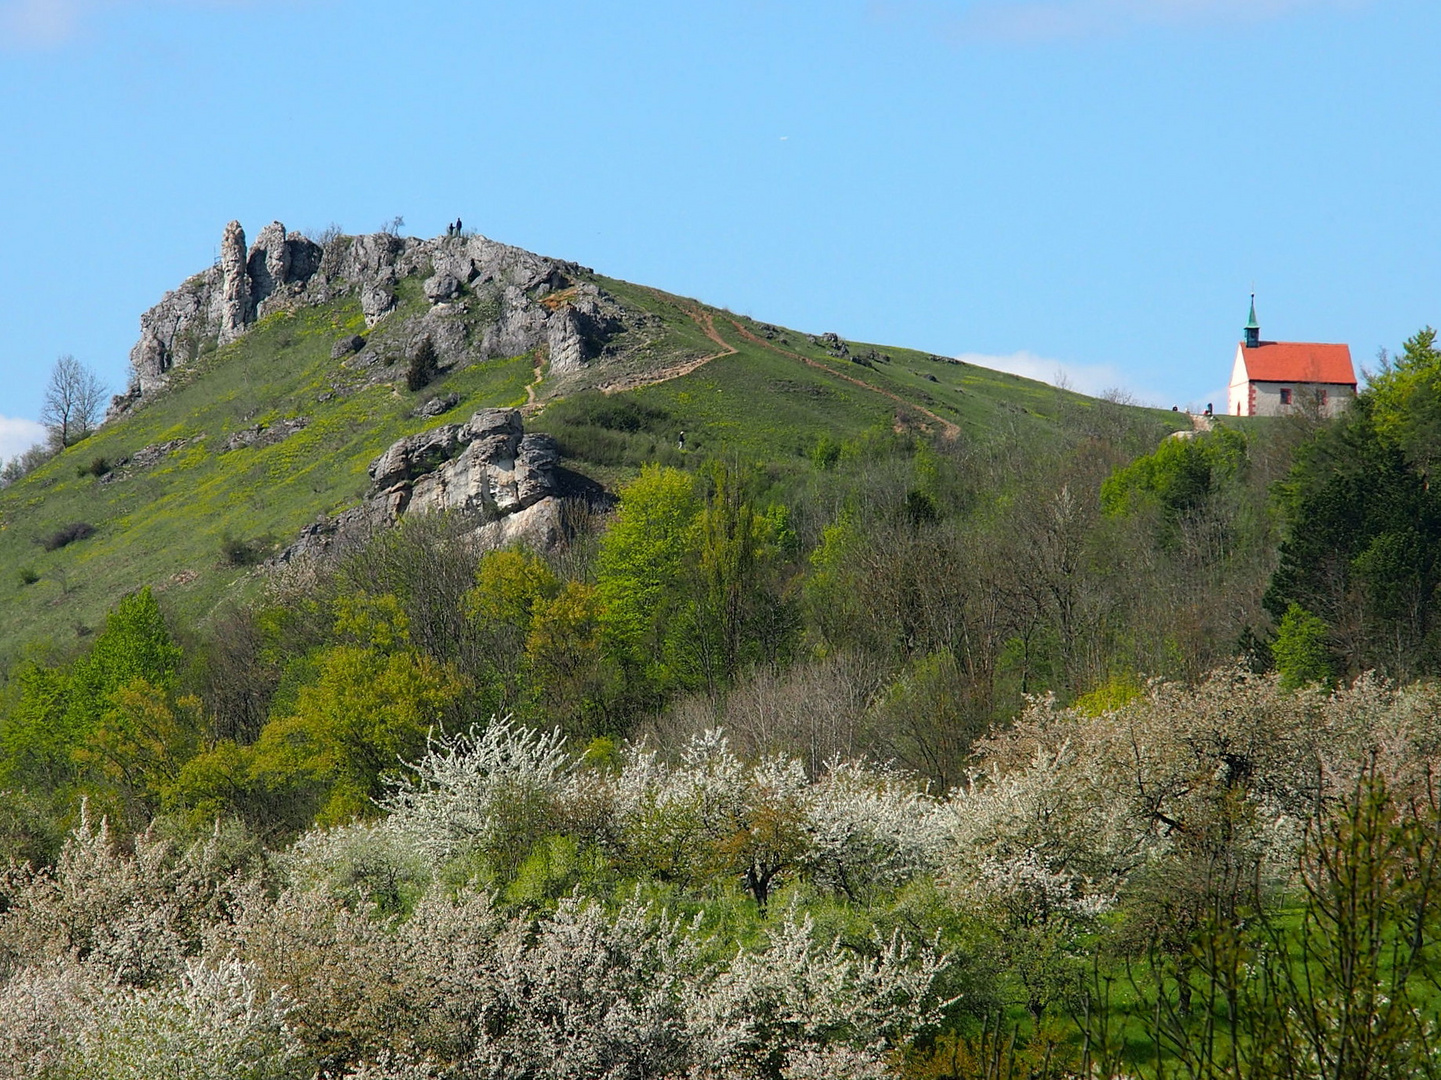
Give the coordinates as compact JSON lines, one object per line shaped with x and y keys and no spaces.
{"x":1270,"y":378}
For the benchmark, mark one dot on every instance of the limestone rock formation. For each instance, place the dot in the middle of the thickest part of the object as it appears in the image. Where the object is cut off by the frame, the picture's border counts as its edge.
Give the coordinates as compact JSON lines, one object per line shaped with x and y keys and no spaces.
{"x":350,"y":343}
{"x":578,"y":328}
{"x":235,"y":308}
{"x":487,"y":467}
{"x":416,"y":455}
{"x":488,"y":299}
{"x":262,"y":435}
{"x":376,"y":300}
{"x":441,"y":287}
{"x":147,"y":457}
{"x":434,"y":406}
{"x":268,"y":263}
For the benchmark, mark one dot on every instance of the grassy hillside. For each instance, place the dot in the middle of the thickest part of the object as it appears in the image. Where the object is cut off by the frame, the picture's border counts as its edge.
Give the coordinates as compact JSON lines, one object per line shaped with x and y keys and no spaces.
{"x":186,"y":521}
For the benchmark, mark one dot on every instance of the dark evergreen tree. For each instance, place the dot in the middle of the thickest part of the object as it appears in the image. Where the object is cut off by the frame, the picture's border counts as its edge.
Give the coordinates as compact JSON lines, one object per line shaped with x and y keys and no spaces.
{"x":1363,"y":543}
{"x":424,"y":365}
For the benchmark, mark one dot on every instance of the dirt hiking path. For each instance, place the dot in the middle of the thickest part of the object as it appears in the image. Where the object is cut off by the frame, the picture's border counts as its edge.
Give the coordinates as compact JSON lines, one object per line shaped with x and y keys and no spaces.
{"x":706,"y":323}
{"x":948,"y":429}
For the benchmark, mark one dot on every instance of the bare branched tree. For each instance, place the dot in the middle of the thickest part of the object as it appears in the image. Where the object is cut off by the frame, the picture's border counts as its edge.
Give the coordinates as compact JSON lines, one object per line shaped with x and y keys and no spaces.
{"x":73,"y":400}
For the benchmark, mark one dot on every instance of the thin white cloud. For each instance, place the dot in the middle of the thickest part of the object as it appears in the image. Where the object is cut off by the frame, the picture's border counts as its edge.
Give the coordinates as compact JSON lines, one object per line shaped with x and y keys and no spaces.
{"x":18,"y":435}
{"x":1040,"y":20}
{"x":1094,"y":380}
{"x":37,"y":23}
{"x":44,"y":24}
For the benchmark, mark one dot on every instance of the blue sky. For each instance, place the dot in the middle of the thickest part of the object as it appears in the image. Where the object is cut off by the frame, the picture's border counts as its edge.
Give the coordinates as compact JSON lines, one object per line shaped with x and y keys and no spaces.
{"x":1087,"y":187}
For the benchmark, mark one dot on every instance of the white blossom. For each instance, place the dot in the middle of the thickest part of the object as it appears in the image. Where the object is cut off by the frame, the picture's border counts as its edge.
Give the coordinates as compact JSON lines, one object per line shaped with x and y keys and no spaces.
{"x":871,"y":827}
{"x":800,"y":992}
{"x":215,"y":1023}
{"x":480,"y":789}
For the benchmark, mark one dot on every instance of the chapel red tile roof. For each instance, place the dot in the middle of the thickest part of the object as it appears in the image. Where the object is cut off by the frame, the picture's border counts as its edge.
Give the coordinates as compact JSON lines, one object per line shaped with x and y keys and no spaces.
{"x":1299,"y":362}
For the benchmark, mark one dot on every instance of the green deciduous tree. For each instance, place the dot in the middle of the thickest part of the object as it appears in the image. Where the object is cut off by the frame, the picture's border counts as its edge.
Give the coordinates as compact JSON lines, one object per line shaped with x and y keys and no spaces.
{"x":114,"y":726}
{"x":368,"y":709}
{"x":34,"y":742}
{"x":1406,"y":399}
{"x":1302,"y":656}
{"x":739,"y":614}
{"x":1179,"y":476}
{"x":135,"y":644}
{"x":640,"y":569}
{"x":358,"y":708}
{"x":563,"y":658}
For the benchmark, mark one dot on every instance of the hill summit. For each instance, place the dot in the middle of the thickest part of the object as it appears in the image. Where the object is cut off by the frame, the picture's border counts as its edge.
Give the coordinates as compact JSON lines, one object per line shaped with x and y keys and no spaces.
{"x":487,"y":300}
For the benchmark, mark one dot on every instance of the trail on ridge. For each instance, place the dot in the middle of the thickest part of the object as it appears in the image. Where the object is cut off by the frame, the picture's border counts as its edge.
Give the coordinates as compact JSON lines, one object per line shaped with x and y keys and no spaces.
{"x":706,"y":323}
{"x":948,"y":429}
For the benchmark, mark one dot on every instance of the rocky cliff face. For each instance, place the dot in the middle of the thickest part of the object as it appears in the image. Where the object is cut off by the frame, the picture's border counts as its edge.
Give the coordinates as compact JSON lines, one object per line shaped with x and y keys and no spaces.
{"x":487,"y":299}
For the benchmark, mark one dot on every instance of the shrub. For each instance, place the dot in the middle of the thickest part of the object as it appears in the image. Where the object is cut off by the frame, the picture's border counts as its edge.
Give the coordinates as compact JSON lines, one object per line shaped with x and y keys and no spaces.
{"x":29,"y":575}
{"x":68,"y":534}
{"x":237,"y":552}
{"x":1302,"y":655}
{"x":607,"y":431}
{"x":424,"y":365}
{"x":826,"y":453}
{"x":615,"y":414}
{"x":97,"y":467}
{"x":1179,"y":477}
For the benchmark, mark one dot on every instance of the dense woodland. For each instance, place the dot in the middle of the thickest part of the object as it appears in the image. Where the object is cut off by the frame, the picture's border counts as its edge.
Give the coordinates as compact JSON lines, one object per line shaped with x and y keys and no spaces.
{"x":1110,"y":755}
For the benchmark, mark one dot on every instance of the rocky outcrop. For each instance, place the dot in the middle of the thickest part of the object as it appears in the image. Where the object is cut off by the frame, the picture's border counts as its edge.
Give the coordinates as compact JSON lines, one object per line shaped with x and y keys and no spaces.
{"x":331,"y":536}
{"x":416,"y":455}
{"x":262,"y":435}
{"x":440,"y":288}
{"x":217,"y":307}
{"x":376,"y":300}
{"x":434,"y":406}
{"x":578,"y":328}
{"x":487,"y":299}
{"x":487,"y":467}
{"x":147,"y":457}
{"x":268,"y":264}
{"x":235,"y":309}
{"x":171,"y":333}
{"x":350,"y":343}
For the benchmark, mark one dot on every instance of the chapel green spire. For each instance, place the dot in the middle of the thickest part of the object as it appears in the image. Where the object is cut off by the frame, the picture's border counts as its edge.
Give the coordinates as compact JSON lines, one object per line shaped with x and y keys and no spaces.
{"x":1253,"y":328}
